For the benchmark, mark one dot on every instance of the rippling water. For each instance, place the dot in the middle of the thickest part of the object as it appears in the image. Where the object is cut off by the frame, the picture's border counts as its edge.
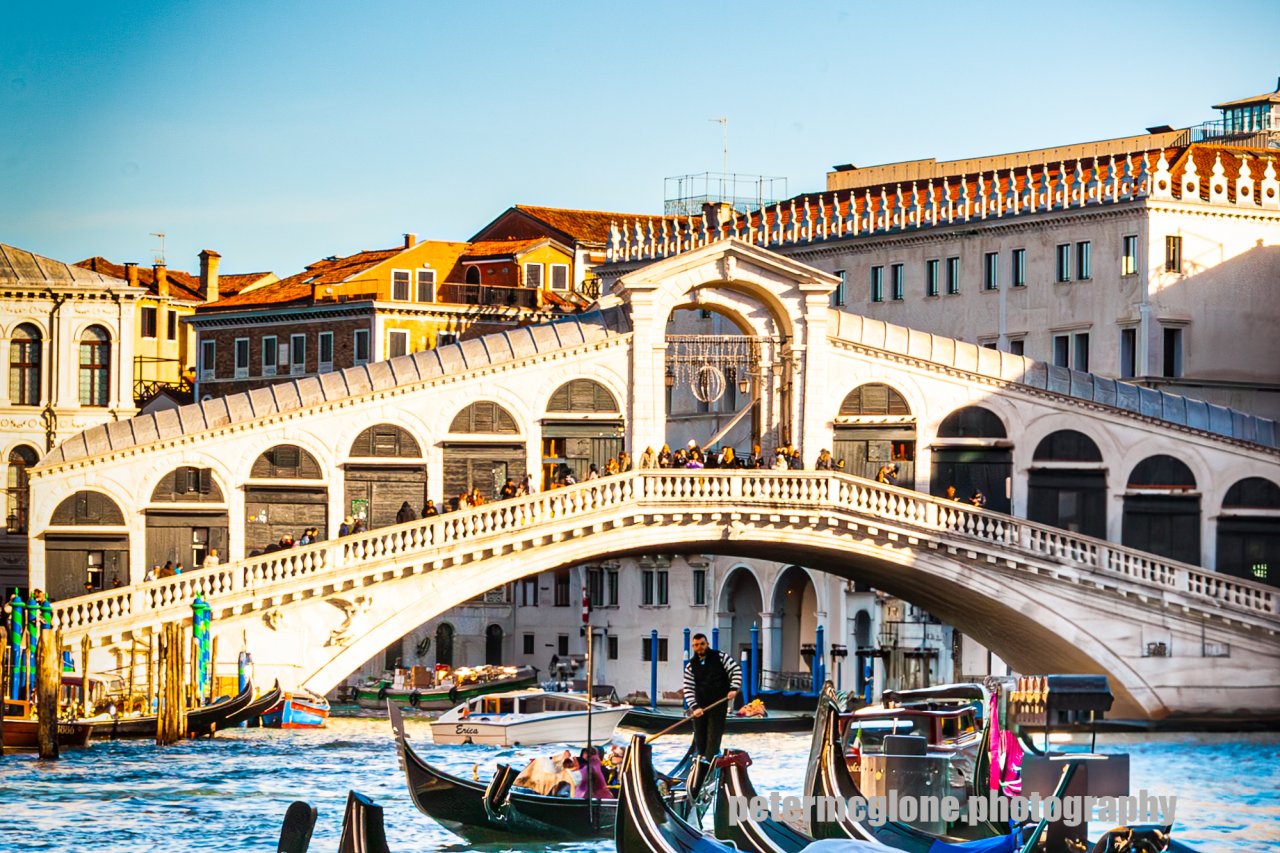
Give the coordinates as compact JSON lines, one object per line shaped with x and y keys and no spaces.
{"x":230,"y":793}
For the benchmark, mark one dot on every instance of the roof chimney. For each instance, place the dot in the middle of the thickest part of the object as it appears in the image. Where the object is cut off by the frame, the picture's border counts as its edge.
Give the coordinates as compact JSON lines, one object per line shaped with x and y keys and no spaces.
{"x":162,"y":280}
{"x":410,"y":240}
{"x":131,"y":274}
{"x":209,"y":260}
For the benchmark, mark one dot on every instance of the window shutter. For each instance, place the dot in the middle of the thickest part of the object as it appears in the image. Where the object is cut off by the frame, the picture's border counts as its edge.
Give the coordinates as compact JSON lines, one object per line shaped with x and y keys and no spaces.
{"x":206,"y":480}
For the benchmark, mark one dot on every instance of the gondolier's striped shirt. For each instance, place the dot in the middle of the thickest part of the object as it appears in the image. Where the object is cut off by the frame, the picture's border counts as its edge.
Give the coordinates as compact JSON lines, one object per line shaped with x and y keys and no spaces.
{"x":731,"y":669}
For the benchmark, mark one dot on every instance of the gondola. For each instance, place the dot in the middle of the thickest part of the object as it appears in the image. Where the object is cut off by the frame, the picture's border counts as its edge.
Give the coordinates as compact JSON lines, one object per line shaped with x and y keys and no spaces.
{"x":646,"y":822}
{"x":252,"y":713}
{"x":478,"y":810}
{"x":656,"y":719}
{"x":363,"y":830}
{"x":828,"y":776}
{"x":766,"y":835}
{"x":295,"y":831}
{"x":201,"y":721}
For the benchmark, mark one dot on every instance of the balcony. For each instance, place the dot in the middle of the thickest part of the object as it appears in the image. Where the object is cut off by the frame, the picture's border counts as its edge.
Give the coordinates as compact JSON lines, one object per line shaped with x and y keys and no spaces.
{"x":455,"y":293}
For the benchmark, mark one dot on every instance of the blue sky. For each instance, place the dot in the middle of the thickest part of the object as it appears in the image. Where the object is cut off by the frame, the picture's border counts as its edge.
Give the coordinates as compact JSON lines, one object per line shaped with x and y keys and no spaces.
{"x":279,"y":133}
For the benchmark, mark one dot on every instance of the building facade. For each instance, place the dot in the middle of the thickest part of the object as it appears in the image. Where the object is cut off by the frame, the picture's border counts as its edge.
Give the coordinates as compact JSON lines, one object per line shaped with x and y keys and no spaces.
{"x":67,"y":341}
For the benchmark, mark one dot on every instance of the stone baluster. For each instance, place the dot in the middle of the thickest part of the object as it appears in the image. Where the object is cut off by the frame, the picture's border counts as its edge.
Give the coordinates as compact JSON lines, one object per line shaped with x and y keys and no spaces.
{"x":868,"y":210}
{"x":915,"y":213}
{"x":1061,"y":196}
{"x":1269,"y":189}
{"x":807,"y":231}
{"x":1142,"y":182}
{"x":793,"y":225}
{"x":1110,"y":189}
{"x":893,"y":215}
{"x":964,"y":198}
{"x":948,"y":204}
{"x":1093,"y":187}
{"x":666,"y":238}
{"x":614,"y":242}
{"x":1162,"y":179}
{"x":851,"y":216}
{"x":777,"y":224}
{"x":705,"y":234}
{"x":1218,"y":182}
{"x":1244,"y":184}
{"x":1190,"y":180}
{"x":1013,"y":199}
{"x":649,"y":240}
{"x":822,"y":217}
{"x":982,"y":196}
{"x":1076,"y":193}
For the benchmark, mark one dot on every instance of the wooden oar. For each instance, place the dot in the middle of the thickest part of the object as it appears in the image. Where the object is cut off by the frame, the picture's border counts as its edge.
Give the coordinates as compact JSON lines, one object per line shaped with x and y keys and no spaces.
{"x":683,"y":720}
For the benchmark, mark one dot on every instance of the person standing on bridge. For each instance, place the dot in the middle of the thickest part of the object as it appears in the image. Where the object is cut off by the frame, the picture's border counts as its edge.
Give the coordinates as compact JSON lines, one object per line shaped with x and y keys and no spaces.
{"x":709,"y":677}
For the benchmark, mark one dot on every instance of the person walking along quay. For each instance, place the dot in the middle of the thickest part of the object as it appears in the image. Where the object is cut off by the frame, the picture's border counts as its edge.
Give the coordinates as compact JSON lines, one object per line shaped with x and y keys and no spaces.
{"x":712,"y":680}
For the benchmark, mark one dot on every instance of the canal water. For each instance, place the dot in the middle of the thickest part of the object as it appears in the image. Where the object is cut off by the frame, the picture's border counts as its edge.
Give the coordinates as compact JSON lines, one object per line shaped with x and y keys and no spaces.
{"x":229,"y":793}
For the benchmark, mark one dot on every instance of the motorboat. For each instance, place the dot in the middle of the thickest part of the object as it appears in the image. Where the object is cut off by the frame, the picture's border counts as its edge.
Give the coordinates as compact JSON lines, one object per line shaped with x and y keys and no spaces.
{"x":423,"y":690}
{"x":297,"y":710}
{"x":528,"y":717}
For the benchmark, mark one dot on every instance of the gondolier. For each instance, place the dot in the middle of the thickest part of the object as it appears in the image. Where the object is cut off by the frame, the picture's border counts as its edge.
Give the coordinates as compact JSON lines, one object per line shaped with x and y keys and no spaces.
{"x":710,"y":675}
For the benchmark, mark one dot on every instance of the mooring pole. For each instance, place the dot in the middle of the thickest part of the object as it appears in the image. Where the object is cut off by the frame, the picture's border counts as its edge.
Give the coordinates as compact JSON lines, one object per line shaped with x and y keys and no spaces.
{"x":49,"y":688}
{"x":4,"y":660}
{"x":84,"y":676}
{"x":653,"y":669}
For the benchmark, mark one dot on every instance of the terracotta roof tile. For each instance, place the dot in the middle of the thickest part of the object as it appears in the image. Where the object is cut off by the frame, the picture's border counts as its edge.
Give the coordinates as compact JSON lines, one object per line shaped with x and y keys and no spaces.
{"x":230,"y":285}
{"x":501,"y":248}
{"x":588,"y":226}
{"x":183,"y":286}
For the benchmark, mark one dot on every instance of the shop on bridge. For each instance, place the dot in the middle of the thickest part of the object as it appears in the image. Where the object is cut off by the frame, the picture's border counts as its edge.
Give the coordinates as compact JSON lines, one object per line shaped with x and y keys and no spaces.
{"x":483,"y":449}
{"x":1162,"y":510}
{"x":186,"y":518}
{"x":1249,"y":531}
{"x":875,"y":428}
{"x":973,"y":454}
{"x":583,"y":426}
{"x":1067,"y":484}
{"x":86,"y":546}
{"x":386,"y":469}
{"x":285,"y":494}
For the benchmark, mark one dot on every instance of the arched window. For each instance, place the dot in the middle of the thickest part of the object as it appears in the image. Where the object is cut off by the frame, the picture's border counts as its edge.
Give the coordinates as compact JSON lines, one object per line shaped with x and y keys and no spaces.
{"x":473,"y":274}
{"x":95,"y":367}
{"x":286,"y":461}
{"x":874,"y":398}
{"x":19,"y":494}
{"x":444,"y":644}
{"x":1162,"y":472}
{"x":1253,"y":493}
{"x":87,"y":508}
{"x":24,"y":366}
{"x":484,"y":417}
{"x":385,"y":440}
{"x":972,"y":422}
{"x":1067,"y":445}
{"x":582,"y":395}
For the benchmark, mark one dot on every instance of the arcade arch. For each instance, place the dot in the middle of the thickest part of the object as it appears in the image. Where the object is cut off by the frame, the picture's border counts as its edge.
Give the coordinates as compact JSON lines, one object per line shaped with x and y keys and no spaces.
{"x":186,"y":518}
{"x":280,"y":501}
{"x":583,"y":426}
{"x":741,"y":599}
{"x":973,"y":453}
{"x":483,"y":449}
{"x":87,"y":545}
{"x":1162,"y":509}
{"x":1067,"y":484}
{"x":795,"y":623}
{"x":1249,"y":531}
{"x":874,"y":428}
{"x":385,"y":469}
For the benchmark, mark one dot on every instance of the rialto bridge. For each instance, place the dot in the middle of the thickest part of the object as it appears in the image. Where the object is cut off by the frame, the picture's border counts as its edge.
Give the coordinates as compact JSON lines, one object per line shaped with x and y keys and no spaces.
{"x":1183,"y":480}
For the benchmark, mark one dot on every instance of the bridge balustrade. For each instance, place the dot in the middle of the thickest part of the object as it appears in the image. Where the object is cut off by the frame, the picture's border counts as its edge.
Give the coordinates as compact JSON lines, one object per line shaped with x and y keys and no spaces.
{"x":558,"y":511}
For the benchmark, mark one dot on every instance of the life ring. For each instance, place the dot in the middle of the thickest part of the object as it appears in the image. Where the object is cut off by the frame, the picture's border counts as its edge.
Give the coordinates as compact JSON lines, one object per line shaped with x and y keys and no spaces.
{"x":382,"y":692}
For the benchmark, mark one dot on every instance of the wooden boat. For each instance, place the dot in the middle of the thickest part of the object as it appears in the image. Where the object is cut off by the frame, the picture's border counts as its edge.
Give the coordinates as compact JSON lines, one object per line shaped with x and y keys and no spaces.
{"x":648,"y":719}
{"x":295,"y":831}
{"x":527,"y":717}
{"x":363,"y":830}
{"x":252,"y":713}
{"x":202,"y":721}
{"x":297,"y":710}
{"x":486,"y":810}
{"x":646,"y":822}
{"x":22,"y":729}
{"x":766,"y":835}
{"x":470,"y":682}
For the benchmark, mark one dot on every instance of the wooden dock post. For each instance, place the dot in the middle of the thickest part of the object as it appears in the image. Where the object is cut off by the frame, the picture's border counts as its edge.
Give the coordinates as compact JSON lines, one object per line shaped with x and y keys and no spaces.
{"x":171,"y":722}
{"x":49,"y":690}
{"x":84,"y":676}
{"x":4,"y":652}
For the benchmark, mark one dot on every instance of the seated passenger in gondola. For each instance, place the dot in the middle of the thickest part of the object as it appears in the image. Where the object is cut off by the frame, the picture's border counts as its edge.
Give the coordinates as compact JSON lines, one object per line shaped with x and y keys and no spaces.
{"x":589,"y":762}
{"x":547,"y":776}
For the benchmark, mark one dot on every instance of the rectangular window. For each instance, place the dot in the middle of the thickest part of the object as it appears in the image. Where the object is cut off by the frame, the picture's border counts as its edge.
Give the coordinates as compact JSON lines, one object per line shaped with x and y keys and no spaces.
{"x":397,"y":343}
{"x":895,"y":280}
{"x":646,"y":652}
{"x":1173,"y":254}
{"x":559,"y":276}
{"x":991,"y":271}
{"x":426,"y":285}
{"x":270,"y":356}
{"x":528,"y":644}
{"x":646,"y":588}
{"x":1129,"y":255}
{"x":699,"y":586}
{"x":529,"y":592}
{"x":662,"y":589}
{"x":1128,"y":353}
{"x":1084,"y":260}
{"x":326,"y":352}
{"x":533,"y":275}
{"x":837,"y":295}
{"x":1173,"y":352}
{"x":562,"y":588}
{"x":400,"y":285}
{"x":953,"y":276}
{"x":208,"y":359}
{"x":931,"y":277}
{"x":612,"y":590}
{"x":611,"y":643}
{"x":171,"y":325}
{"x":595,"y":586}
{"x":562,"y":645}
{"x":1018,"y":268}
{"x":1081,"y":361}
{"x":1018,"y":346}
{"x":360,"y":346}
{"x":446,"y":338}
{"x":1062,"y":350}
{"x":242,"y":358}
{"x":1064,"y":263}
{"x":148,"y":322}
{"x":297,"y":354}
{"x":877,"y":284}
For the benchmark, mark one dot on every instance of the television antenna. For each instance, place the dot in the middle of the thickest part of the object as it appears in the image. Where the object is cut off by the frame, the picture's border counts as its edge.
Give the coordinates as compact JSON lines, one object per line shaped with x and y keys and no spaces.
{"x":723,"y":121}
{"x":159,"y":253}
